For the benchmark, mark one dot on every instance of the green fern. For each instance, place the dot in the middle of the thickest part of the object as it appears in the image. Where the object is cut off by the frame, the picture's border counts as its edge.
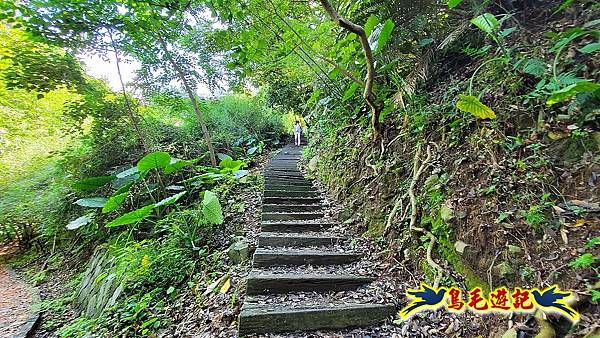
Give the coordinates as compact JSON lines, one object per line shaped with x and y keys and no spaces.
{"x":535,"y":67}
{"x":583,"y":261}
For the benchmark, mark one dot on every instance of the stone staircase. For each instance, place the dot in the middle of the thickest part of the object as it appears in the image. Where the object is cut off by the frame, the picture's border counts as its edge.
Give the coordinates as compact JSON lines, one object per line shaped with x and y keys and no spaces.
{"x":294,"y":237}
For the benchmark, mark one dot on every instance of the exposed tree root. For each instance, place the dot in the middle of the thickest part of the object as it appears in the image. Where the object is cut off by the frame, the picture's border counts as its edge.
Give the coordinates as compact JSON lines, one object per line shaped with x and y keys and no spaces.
{"x":370,"y":165}
{"x":418,"y":168}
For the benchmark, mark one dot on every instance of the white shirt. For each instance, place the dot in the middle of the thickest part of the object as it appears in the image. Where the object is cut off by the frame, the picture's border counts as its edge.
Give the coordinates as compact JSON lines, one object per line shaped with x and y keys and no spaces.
{"x":297,"y":128}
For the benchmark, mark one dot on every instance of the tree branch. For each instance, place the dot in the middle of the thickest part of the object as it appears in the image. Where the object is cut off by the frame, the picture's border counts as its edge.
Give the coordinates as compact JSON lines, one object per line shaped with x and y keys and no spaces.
{"x":342,"y":70}
{"x":128,"y":107}
{"x":322,"y":75}
{"x":364,"y":41}
{"x":331,"y":62}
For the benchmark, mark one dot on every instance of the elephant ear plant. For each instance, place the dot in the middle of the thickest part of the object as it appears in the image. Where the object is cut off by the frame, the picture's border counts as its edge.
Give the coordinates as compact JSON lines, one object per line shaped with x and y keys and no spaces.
{"x":143,"y":188}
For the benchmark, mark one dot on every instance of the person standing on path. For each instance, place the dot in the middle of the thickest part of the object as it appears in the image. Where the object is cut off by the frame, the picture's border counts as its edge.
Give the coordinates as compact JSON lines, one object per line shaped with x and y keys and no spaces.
{"x":297,"y":133}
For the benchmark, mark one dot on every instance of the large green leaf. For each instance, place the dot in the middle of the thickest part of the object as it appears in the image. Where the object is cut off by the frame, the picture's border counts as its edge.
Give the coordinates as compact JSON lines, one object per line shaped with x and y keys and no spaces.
{"x":471,"y":104}
{"x":222,"y":156}
{"x":205,"y":178}
{"x":252,"y":150}
{"x":92,"y":183}
{"x":176,"y":164}
{"x":91,"y":202}
{"x":115,"y":202}
{"x":157,"y":159}
{"x":170,"y":200}
{"x":127,"y":172}
{"x":313,"y":98}
{"x":131,"y":217}
{"x":572,"y":90}
{"x":241,"y":173}
{"x":590,"y":48}
{"x":372,"y":21}
{"x":380,"y":35}
{"x":385,"y":34}
{"x":79,"y":222}
{"x":454,"y":3}
{"x":348,"y":94}
{"x":211,"y":208}
{"x":230,"y":165}
{"x":487,"y":22}
{"x":123,"y":184}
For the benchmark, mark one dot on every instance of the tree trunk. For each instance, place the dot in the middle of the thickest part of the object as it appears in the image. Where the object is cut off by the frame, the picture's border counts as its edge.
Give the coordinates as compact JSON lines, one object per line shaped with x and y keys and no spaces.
{"x":190,"y":92}
{"x":134,"y":119}
{"x":364,"y":41}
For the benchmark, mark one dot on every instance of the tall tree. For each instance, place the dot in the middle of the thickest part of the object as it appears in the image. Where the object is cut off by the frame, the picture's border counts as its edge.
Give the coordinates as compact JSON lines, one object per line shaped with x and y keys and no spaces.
{"x":92,"y":25}
{"x":192,"y":96}
{"x":146,"y":24}
{"x":83,"y":25}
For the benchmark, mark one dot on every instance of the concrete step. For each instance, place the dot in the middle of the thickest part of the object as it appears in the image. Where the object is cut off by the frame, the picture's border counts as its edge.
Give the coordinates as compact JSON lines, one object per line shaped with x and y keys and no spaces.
{"x":289,"y":158}
{"x":289,"y":179}
{"x":292,"y":200}
{"x":279,"y":177}
{"x":289,"y":187}
{"x":276,"y":170}
{"x":288,"y":227}
{"x":265,"y":258}
{"x":296,"y":240}
{"x":283,"y":193}
{"x":271,"y":283}
{"x":259,"y":319}
{"x":296,"y":172}
{"x":286,"y":181}
{"x":283,"y":163}
{"x":291,"y":216}
{"x":287,"y":165}
{"x":292,"y":207}
{"x":287,"y":168}
{"x":295,"y":157}
{"x":286,"y":173}
{"x":272,"y":176}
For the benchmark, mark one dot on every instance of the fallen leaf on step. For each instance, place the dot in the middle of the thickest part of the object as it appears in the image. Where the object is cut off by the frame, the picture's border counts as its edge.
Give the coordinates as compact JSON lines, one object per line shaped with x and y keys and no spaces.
{"x":212,"y":286}
{"x":578,"y":223}
{"x":586,"y":205}
{"x":226,"y":286}
{"x":558,"y":209}
{"x":563,"y":235}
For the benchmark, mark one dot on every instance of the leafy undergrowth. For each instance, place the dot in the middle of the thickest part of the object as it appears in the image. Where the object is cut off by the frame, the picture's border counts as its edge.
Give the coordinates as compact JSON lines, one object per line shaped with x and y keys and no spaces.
{"x":513,"y":199}
{"x":179,"y":281}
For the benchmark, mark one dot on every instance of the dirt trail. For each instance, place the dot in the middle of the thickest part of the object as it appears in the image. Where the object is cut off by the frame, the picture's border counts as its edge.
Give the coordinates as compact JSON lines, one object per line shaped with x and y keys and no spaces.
{"x":16,"y":298}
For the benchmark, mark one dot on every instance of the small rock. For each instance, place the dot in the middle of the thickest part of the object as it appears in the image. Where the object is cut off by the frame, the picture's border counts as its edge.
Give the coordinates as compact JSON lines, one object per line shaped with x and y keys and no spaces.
{"x":513,"y":249}
{"x":504,"y":269}
{"x":446,"y":213}
{"x":312,"y":164}
{"x":460,"y":246}
{"x":239,"y":251}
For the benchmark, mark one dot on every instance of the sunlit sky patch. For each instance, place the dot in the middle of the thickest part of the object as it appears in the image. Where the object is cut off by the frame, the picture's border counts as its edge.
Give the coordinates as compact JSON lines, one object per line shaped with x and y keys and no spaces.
{"x":107,"y":70}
